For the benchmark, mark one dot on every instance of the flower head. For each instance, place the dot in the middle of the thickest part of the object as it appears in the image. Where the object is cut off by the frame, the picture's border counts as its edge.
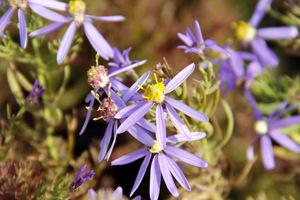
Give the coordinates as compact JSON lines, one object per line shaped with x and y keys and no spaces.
{"x":155,"y":92}
{"x":268,"y":129}
{"x":108,"y":108}
{"x":80,"y":179}
{"x":97,"y":76}
{"x":35,"y":93}
{"x":77,"y":10}
{"x":245,"y":32}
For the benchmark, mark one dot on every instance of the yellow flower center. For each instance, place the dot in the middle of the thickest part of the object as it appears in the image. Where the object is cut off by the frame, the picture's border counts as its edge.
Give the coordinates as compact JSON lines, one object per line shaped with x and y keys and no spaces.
{"x":23,"y":4}
{"x":244,"y":32}
{"x":156,"y":148}
{"x":77,"y":10}
{"x":261,"y":127}
{"x":155,"y":92}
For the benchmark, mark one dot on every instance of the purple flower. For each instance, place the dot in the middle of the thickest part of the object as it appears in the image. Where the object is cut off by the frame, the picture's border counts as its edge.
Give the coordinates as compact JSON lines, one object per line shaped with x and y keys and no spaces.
{"x":99,"y":78}
{"x":78,"y":19}
{"x":196,"y":44}
{"x":247,"y":33}
{"x":22,"y":6}
{"x":121,"y":60}
{"x":232,"y":71}
{"x":80,"y":179}
{"x":163,"y":163}
{"x":117,"y":195}
{"x":156,"y":94}
{"x":269,"y":129}
{"x":35,"y":93}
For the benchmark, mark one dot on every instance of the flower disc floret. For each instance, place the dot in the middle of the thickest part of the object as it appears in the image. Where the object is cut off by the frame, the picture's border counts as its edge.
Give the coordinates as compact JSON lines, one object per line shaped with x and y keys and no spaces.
{"x":77,"y":10}
{"x":155,"y":92}
{"x":97,"y":76}
{"x":108,"y":108}
{"x":244,"y":31}
{"x":156,"y":148}
{"x":261,"y":127}
{"x":23,"y":4}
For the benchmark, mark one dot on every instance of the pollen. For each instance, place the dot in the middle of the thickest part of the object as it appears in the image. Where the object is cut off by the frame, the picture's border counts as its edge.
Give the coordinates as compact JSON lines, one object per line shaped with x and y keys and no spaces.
{"x":156,"y":148}
{"x":244,"y":32}
{"x":77,"y":10}
{"x":261,"y":127}
{"x":23,"y":4}
{"x":108,"y":108}
{"x":97,"y":76}
{"x":155,"y":92}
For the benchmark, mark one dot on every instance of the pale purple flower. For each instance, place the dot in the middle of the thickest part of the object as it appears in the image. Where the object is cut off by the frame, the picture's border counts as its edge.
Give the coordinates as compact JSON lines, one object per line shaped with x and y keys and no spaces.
{"x":22,"y":6}
{"x":117,"y":195}
{"x":198,"y":45}
{"x":248,"y":33}
{"x":80,"y":179}
{"x":78,"y":19}
{"x":100,"y":79}
{"x":268,"y":129}
{"x":156,"y":94}
{"x":121,"y":59}
{"x":163,"y":163}
{"x":35,"y":93}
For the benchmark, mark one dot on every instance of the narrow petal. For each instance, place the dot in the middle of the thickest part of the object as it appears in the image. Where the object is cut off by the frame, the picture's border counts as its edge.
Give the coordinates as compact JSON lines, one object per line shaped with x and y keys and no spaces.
{"x":220,"y":50}
{"x":131,"y":157}
{"x":48,"y":14}
{"x":264,"y":53}
{"x":105,"y":140}
{"x":256,"y":111}
{"x":284,"y":141}
{"x":186,"y":157}
{"x":46,"y":30}
{"x":285,"y":122}
{"x":92,"y":195}
{"x":134,"y":88}
{"x":180,"y":138}
{"x":118,"y":193}
{"x":177,"y":173}
{"x":253,"y":70}
{"x":116,"y":98}
{"x":137,"y":198}
{"x":5,"y":19}
{"x":147,"y":125}
{"x":161,"y":126}
{"x":22,"y":28}
{"x":178,"y":123}
{"x":277,"y":113}
{"x":118,"y":86}
{"x":165,"y":171}
{"x":191,"y":112}
{"x":180,"y":78}
{"x":190,"y":35}
{"x":198,"y":31}
{"x":250,"y":149}
{"x":141,"y":135}
{"x":80,"y":172}
{"x":113,"y":18}
{"x":267,"y":152}
{"x":185,"y":39}
{"x":135,"y":117}
{"x":127,"y":111}
{"x":155,"y":179}
{"x":141,"y":173}
{"x":87,"y":118}
{"x":260,"y":11}
{"x":97,"y":41}
{"x":123,"y":69}
{"x":66,"y":43}
{"x":236,"y":64}
{"x":278,"y":33}
{"x":114,"y":133}
{"x":56,"y":5}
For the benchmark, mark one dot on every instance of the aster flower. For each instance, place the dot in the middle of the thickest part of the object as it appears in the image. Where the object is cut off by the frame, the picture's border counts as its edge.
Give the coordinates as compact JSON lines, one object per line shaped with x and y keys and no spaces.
{"x":99,"y":78}
{"x":232,"y":71}
{"x":268,"y":129}
{"x":116,"y":195}
{"x":78,"y":19}
{"x":22,"y":6}
{"x":35,"y":93}
{"x":155,"y":94}
{"x":109,"y":108}
{"x":80,"y":179}
{"x":197,"y":45}
{"x":248,"y":33}
{"x":163,"y":163}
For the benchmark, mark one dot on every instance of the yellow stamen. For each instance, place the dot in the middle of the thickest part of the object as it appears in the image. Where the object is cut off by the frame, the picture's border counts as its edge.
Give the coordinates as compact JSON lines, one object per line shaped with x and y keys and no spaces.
{"x":155,"y":92}
{"x":77,"y":10}
{"x":261,"y":127}
{"x":244,"y":31}
{"x":156,"y":148}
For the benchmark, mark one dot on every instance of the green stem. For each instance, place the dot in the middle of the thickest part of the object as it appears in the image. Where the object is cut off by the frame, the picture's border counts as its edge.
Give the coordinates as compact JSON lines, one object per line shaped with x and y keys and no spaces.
{"x":50,"y":143}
